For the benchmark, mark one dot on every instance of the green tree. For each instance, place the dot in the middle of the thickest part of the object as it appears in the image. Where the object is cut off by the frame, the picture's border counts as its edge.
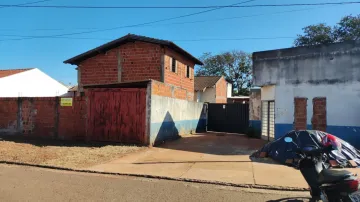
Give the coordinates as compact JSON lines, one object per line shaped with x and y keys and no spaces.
{"x":235,"y":66}
{"x":347,"y":29}
{"x":315,"y":35}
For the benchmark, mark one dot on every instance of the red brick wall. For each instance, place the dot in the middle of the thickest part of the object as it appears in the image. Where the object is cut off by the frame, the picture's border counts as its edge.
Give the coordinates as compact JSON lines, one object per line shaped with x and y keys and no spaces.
{"x":221,"y":90}
{"x":167,"y":90}
{"x":43,"y":117}
{"x":40,"y":113}
{"x":319,"y":114}
{"x":179,"y":77}
{"x":300,"y":113}
{"x":139,"y":61}
{"x":8,"y":113}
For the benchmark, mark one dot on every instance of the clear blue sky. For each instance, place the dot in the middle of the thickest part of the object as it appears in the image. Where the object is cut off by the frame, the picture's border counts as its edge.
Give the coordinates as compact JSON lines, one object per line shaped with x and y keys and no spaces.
{"x":48,"y":54}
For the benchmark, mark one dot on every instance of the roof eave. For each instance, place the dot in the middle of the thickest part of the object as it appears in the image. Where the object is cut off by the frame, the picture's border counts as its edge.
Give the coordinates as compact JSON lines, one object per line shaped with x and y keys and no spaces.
{"x":128,"y":38}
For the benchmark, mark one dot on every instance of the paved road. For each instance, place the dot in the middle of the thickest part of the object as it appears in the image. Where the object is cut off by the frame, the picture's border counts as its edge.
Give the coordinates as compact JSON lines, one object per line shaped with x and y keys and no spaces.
{"x":18,"y":183}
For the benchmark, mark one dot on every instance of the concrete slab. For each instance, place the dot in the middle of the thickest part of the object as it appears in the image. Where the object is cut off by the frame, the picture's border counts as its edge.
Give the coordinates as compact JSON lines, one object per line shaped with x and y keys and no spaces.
{"x":229,"y":172}
{"x":278,"y":175}
{"x":174,"y":170}
{"x":210,"y":157}
{"x":161,"y":155}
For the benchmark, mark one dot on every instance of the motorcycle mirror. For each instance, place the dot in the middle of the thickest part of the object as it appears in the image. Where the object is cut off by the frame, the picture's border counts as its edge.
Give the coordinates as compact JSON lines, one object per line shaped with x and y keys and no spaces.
{"x":288,"y":139}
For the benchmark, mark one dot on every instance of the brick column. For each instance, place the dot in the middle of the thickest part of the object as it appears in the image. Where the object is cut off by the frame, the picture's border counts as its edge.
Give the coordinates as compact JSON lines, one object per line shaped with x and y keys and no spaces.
{"x":319,"y":114}
{"x":300,"y":113}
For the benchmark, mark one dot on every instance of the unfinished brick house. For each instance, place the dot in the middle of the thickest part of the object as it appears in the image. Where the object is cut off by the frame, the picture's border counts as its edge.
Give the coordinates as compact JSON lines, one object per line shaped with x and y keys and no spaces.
{"x":134,"y":90}
{"x":212,"y":89}
{"x":139,"y":90}
{"x":136,"y":58}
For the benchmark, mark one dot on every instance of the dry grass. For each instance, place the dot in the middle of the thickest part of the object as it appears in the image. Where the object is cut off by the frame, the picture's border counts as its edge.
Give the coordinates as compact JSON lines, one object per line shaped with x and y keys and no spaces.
{"x":68,"y":156}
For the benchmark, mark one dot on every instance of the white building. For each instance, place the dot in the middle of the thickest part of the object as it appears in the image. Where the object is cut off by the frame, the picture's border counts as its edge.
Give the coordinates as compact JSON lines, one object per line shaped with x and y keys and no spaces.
{"x":314,"y":87}
{"x":29,"y":83}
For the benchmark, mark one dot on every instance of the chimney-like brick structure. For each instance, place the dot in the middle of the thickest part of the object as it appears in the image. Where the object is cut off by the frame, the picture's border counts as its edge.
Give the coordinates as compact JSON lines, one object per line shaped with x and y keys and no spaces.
{"x":300,"y":113}
{"x":319,"y":114}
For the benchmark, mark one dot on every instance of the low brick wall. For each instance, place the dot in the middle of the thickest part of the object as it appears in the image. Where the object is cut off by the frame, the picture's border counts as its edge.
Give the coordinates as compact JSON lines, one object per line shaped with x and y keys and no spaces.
{"x":168,"y":90}
{"x":43,"y":117}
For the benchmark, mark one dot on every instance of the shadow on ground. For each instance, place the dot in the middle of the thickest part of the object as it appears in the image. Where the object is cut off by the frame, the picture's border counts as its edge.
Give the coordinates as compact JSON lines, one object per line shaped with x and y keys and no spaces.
{"x":216,"y":144}
{"x":297,"y":199}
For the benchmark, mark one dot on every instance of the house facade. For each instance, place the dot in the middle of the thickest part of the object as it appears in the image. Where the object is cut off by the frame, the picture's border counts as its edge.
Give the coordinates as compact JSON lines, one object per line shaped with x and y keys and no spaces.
{"x":212,"y":89}
{"x":310,"y":88}
{"x":142,"y":88}
{"x":29,"y":83}
{"x":136,"y":58}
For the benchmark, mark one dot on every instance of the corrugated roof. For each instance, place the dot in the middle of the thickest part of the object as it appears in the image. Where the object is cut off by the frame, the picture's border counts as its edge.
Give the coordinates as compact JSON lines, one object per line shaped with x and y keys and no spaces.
{"x":9,"y":72}
{"x":125,"y":39}
{"x":202,"y":82}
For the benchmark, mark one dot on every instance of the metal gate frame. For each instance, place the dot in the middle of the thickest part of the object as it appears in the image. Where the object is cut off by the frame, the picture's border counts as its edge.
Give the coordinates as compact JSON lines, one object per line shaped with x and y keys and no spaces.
{"x":269,"y":102}
{"x":228,"y":118}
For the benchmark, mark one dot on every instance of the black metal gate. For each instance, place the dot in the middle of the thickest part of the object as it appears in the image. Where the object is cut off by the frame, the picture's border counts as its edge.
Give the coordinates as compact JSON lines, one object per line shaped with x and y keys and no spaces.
{"x":230,"y":118}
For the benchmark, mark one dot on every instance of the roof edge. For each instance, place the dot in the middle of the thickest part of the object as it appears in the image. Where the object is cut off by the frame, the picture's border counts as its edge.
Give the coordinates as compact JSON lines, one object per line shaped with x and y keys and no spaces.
{"x":125,"y":39}
{"x":303,"y":50}
{"x":133,"y":84}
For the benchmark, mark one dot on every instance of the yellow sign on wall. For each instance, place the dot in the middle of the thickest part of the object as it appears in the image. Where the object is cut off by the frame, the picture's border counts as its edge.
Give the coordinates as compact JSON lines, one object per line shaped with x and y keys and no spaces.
{"x":66,"y":102}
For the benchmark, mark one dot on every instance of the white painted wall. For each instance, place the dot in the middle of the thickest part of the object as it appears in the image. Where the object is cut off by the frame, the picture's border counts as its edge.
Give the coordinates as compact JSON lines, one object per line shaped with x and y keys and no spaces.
{"x":209,"y":95}
{"x":197,"y":97}
{"x":171,"y":117}
{"x":229,"y":90}
{"x":268,"y":92}
{"x":342,"y":102}
{"x":31,"y":83}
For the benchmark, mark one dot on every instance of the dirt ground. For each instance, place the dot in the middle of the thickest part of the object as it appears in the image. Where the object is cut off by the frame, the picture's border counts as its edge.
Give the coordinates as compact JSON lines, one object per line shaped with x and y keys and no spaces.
{"x":62,"y":154}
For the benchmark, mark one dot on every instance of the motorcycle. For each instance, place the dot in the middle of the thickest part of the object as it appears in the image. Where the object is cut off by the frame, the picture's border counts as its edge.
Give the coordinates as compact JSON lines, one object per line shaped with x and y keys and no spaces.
{"x":325,"y":184}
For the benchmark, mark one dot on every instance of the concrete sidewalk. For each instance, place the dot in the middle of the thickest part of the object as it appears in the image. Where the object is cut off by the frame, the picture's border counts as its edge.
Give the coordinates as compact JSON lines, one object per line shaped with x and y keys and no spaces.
{"x":208,"y":157}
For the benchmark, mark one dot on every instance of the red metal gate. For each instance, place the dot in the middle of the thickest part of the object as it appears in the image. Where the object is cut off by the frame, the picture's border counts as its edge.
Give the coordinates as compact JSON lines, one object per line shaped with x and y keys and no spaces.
{"x":117,"y":115}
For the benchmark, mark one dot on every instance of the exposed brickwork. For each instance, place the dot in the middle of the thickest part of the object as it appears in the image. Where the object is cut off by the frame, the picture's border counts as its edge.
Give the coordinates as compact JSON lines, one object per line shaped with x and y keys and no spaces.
{"x":72,"y":120}
{"x":180,"y":94}
{"x":319,"y":114}
{"x":179,"y":77}
{"x":138,"y":61}
{"x":161,"y":89}
{"x":26,"y":122}
{"x":221,"y":90}
{"x":167,"y":90}
{"x":255,"y":105}
{"x":43,"y":114}
{"x":43,"y":117}
{"x":300,"y":113}
{"x":8,"y":113}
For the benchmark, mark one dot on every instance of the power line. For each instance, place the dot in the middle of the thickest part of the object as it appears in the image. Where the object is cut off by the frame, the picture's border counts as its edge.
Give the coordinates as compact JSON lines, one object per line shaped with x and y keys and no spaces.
{"x":135,"y":25}
{"x":180,"y":7}
{"x":233,"y":39}
{"x":182,"y":23}
{"x":23,"y":4}
{"x":235,"y":17}
{"x":179,"y":40}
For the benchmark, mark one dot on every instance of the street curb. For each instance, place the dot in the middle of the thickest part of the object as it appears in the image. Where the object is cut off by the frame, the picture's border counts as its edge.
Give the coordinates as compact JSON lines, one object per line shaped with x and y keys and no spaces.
{"x":253,"y":186}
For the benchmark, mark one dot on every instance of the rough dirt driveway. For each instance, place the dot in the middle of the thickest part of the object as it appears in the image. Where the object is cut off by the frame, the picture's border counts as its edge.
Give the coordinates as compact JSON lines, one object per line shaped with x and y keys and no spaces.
{"x":61,"y":154}
{"x":19,"y":183}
